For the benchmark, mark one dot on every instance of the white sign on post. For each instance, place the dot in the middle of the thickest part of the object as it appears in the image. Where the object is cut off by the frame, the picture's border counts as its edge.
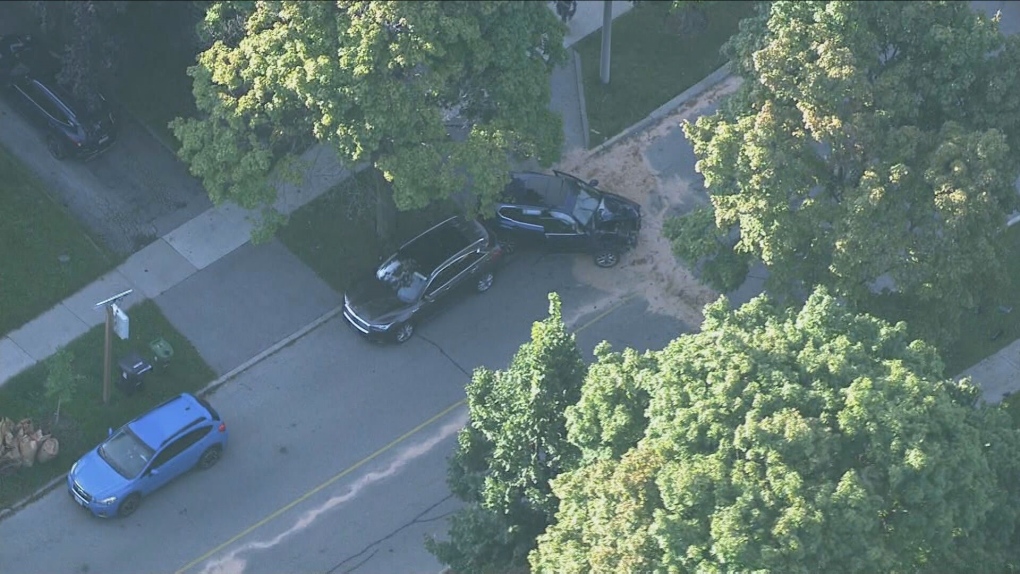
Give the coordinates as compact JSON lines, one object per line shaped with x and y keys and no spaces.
{"x":121,"y":323}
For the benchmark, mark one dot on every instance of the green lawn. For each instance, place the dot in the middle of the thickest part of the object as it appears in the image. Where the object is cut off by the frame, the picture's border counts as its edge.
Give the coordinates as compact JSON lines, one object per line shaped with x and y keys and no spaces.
{"x":45,"y":256}
{"x":651,"y":62}
{"x":339,"y":247}
{"x":983,"y":332}
{"x":85,"y":420}
{"x":153,"y":85}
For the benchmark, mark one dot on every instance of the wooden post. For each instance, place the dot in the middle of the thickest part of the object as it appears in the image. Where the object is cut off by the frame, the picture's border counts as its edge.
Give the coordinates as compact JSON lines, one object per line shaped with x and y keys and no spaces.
{"x":107,"y":351}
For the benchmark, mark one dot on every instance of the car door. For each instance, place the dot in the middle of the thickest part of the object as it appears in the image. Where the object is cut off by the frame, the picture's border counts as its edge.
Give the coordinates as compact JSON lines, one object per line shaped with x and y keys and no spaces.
{"x":520,"y":224}
{"x":562,"y":233}
{"x":446,"y":285}
{"x":174,"y":459}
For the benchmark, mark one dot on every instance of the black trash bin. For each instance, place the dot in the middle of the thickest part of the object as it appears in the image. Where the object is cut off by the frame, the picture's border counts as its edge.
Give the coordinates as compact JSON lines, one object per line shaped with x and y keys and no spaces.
{"x":132,"y":369}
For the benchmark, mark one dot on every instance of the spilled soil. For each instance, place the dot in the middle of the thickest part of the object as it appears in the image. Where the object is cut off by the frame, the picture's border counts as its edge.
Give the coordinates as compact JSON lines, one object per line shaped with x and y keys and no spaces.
{"x":650,"y":270}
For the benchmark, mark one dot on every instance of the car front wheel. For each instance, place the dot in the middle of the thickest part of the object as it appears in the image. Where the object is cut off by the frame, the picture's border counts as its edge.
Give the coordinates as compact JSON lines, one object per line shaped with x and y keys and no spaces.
{"x":484,"y":282}
{"x":403,"y":332}
{"x":607,"y":258}
{"x":508,"y":245}
{"x":129,"y":505}
{"x":210,"y":457}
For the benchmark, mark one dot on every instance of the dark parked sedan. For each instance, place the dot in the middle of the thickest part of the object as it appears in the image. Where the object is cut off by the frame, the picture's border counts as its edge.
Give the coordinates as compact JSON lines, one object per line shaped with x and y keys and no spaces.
{"x":71,"y":128}
{"x":560,"y":212}
{"x":428,"y":272}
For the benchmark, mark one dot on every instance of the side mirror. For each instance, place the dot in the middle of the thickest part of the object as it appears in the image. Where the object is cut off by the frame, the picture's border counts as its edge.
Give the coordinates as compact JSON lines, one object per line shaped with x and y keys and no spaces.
{"x":593,"y":182}
{"x":153,"y":471}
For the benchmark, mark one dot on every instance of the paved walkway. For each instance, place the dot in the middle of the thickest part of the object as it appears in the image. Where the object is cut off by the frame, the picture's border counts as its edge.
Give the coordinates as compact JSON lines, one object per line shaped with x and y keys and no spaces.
{"x":182,"y":257}
{"x":192,"y":248}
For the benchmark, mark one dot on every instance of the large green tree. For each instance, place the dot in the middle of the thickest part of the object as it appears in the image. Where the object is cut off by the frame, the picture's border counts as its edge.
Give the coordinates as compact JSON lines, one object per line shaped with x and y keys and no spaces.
{"x":785,"y":440}
{"x":515,"y":443}
{"x":870,"y":140}
{"x":379,"y":81}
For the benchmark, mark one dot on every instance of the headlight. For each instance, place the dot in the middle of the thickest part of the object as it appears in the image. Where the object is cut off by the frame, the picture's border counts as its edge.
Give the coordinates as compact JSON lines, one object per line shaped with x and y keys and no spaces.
{"x":108,"y":500}
{"x":385,"y":327}
{"x":74,"y":467}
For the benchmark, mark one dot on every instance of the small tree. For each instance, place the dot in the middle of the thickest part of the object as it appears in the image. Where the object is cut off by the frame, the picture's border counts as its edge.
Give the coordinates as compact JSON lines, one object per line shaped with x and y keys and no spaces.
{"x":62,"y":381}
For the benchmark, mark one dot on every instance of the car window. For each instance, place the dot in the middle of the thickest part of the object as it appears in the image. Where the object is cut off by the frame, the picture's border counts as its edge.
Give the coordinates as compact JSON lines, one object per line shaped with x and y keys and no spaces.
{"x":453,"y":270}
{"x":126,"y":453}
{"x":529,"y":216}
{"x":180,"y":445}
{"x":558,"y":223}
{"x":44,"y":100}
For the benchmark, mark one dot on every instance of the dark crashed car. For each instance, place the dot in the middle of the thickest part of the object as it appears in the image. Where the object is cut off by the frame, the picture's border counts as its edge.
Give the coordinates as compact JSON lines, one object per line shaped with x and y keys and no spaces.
{"x":424,"y":275}
{"x":28,"y":75}
{"x":561,"y":212}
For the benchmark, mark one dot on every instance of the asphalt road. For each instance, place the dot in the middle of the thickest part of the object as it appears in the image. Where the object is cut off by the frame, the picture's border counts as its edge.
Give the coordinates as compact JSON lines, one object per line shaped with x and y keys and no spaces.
{"x":338,"y":447}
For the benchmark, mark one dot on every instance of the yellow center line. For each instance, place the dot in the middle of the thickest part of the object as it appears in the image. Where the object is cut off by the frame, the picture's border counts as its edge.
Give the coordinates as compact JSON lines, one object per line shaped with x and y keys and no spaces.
{"x":317,"y":489}
{"x":368,"y":458}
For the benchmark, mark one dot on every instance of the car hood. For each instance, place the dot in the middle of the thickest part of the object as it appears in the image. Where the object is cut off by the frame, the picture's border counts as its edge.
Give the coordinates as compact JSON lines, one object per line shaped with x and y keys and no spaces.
{"x":96,"y":477}
{"x":616,"y":207}
{"x":374,"y":301}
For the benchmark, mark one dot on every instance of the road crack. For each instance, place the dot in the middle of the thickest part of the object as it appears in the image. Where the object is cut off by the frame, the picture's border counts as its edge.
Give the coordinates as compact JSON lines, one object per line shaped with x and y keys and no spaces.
{"x":447,"y":355}
{"x":372,"y":548}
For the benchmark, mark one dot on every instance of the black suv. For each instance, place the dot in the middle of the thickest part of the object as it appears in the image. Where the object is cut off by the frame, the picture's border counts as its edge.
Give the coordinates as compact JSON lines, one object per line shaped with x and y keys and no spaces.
{"x":420,"y":277}
{"x":72,"y":129}
{"x":561,"y":212}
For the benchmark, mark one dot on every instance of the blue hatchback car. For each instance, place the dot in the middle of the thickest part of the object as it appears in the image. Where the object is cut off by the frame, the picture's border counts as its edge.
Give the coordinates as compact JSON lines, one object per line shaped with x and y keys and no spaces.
{"x":183,"y":433}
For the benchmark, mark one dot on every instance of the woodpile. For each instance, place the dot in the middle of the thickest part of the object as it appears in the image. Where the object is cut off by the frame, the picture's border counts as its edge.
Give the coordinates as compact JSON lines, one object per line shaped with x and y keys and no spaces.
{"x":23,"y":445}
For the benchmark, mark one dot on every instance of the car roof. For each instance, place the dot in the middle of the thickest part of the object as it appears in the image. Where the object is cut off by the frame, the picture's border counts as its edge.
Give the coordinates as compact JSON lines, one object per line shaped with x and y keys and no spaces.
{"x":540,"y":189}
{"x":441,"y":242}
{"x":168,"y":419}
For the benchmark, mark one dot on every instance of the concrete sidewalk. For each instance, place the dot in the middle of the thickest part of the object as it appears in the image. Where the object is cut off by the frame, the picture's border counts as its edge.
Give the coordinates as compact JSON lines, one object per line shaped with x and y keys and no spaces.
{"x":178,"y":259}
{"x":199,"y":258}
{"x":159,"y":267}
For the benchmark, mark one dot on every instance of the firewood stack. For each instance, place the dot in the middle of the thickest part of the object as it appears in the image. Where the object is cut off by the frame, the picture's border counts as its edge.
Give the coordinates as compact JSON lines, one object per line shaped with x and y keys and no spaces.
{"x":22,"y":445}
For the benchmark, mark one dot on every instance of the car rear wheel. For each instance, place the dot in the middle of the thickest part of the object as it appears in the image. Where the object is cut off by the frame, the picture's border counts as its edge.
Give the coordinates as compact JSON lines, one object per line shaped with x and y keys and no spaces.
{"x":210,"y":457}
{"x":57,"y":148}
{"x":607,"y":258}
{"x":403,"y":332}
{"x":484,"y":282}
{"x":129,"y":505}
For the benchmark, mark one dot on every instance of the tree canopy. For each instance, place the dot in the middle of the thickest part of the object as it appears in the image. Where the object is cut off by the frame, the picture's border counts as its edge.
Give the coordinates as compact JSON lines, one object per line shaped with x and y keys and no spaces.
{"x":379,"y":81}
{"x":515,"y":442}
{"x":784,"y":440}
{"x":869,"y":140}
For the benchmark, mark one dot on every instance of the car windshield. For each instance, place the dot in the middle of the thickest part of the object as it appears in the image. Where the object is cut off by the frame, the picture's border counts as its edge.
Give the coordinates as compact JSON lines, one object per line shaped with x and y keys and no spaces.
{"x":586,"y":204}
{"x":126,"y":453}
{"x":403,"y":277}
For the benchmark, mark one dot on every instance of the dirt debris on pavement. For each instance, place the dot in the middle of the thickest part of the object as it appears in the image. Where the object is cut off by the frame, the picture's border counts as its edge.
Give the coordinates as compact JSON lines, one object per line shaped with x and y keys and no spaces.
{"x":650,"y":269}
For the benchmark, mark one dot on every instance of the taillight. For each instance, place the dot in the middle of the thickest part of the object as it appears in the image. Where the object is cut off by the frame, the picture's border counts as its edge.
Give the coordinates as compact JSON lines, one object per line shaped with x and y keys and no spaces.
{"x":223,"y":427}
{"x":497,"y":252}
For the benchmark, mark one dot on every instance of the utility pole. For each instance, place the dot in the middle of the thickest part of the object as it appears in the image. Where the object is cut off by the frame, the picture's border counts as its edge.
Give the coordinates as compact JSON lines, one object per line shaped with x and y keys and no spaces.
{"x":607,"y":37}
{"x":110,"y":305}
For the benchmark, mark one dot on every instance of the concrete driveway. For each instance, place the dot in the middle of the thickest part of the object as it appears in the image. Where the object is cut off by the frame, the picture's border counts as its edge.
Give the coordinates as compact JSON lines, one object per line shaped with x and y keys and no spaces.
{"x":125,"y":198}
{"x":321,"y":446}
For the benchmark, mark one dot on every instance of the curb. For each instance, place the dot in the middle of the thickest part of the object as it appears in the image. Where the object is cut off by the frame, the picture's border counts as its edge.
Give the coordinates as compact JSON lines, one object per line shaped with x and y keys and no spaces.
{"x":206,"y":391}
{"x":286,"y":341}
{"x":585,"y":130}
{"x":13,"y":509}
{"x":662,"y":111}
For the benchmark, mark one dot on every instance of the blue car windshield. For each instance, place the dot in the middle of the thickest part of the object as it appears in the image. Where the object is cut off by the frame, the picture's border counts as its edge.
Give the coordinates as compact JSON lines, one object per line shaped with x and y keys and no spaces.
{"x":126,"y":453}
{"x":403,"y":277}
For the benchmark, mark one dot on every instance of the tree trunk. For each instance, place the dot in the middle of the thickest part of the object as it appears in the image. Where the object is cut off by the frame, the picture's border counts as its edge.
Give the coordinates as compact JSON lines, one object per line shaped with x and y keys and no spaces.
{"x":385,"y":207}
